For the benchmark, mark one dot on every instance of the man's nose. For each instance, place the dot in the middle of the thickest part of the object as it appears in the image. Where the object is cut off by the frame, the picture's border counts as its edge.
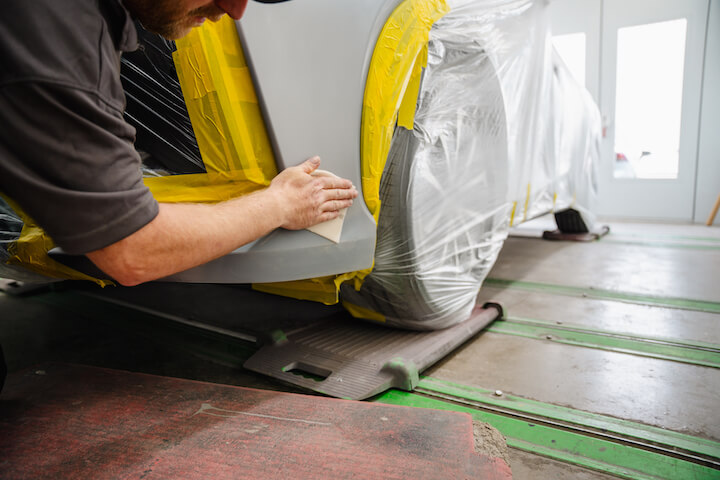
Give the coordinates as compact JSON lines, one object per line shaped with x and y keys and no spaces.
{"x":234,"y":8}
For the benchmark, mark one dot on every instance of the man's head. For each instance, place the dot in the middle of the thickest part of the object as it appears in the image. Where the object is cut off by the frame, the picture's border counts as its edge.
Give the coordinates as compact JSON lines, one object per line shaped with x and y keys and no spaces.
{"x":174,"y":19}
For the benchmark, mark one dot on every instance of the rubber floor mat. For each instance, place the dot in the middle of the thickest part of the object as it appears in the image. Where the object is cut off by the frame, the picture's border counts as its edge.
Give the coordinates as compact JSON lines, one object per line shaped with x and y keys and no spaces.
{"x":64,"y":421}
{"x":355,"y":360}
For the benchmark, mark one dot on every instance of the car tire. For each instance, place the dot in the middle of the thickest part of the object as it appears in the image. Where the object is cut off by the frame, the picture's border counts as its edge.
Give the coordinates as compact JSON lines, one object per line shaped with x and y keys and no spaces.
{"x":444,"y":214}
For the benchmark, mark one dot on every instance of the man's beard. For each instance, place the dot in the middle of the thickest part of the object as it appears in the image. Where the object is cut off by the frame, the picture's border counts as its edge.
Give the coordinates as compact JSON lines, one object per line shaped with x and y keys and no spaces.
{"x":166,"y":18}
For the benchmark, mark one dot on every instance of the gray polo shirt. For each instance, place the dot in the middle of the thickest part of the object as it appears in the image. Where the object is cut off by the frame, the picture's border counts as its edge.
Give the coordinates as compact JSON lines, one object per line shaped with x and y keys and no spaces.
{"x":66,"y":154}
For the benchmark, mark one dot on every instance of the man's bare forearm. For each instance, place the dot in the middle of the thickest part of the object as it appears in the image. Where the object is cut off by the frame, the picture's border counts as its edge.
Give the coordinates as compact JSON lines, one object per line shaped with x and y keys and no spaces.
{"x":183,"y":236}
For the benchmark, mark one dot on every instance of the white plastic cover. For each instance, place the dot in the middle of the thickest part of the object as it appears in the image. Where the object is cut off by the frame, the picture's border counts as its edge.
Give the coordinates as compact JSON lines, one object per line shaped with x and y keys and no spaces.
{"x":502,"y":134}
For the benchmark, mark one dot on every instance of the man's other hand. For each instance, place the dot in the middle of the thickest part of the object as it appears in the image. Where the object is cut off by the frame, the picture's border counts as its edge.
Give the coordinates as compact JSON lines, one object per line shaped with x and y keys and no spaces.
{"x":307,"y":200}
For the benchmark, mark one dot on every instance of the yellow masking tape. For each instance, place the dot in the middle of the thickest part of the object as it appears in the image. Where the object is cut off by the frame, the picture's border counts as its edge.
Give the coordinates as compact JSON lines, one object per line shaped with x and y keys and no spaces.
{"x":406,"y":114}
{"x":527,"y":202}
{"x":222,"y":104}
{"x":362,"y":312}
{"x":392,"y":88}
{"x":321,"y":289}
{"x":245,"y":91}
{"x":30,"y":251}
{"x":200,"y":187}
{"x":404,"y":36}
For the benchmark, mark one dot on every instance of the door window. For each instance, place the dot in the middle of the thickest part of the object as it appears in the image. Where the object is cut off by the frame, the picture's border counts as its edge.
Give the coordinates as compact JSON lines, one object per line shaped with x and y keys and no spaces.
{"x":648,"y":99}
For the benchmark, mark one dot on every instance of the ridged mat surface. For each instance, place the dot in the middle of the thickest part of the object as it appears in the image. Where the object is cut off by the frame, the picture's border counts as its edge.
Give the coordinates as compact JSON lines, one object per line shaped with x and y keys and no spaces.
{"x":355,"y":360}
{"x":63,"y":421}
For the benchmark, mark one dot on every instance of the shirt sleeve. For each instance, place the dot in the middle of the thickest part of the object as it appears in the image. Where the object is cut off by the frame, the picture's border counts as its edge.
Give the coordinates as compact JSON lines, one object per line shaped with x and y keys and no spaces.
{"x":67,"y":157}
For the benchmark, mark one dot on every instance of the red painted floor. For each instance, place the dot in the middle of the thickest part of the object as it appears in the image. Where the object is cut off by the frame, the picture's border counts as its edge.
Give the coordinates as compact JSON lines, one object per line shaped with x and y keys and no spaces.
{"x":84,"y":422}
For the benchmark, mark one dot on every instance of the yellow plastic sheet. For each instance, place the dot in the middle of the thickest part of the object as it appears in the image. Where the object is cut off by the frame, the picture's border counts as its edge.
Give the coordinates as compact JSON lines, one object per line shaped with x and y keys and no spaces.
{"x":391,"y":95}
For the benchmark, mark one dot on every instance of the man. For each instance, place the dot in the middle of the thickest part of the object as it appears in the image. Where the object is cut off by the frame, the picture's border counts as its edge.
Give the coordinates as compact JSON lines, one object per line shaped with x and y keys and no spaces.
{"x":67,"y":155}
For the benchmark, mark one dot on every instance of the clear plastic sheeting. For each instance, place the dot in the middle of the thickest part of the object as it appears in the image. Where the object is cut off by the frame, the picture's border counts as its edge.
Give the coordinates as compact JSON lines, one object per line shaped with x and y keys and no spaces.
{"x":577,"y":144}
{"x":10,"y":228}
{"x":156,"y":108}
{"x":501,"y":134}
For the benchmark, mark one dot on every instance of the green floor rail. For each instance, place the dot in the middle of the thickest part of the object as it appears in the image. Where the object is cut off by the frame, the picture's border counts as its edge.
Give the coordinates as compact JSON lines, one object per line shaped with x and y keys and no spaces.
{"x":695,"y":353}
{"x":603,"y":424}
{"x":658,"y":244}
{"x":663,"y":241}
{"x":645,"y":236}
{"x":668,"y":302}
{"x":587,"y":451}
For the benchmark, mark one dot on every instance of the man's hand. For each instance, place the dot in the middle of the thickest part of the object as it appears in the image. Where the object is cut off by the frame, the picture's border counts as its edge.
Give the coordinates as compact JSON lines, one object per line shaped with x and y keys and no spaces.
{"x":307,"y":200}
{"x":183,"y":236}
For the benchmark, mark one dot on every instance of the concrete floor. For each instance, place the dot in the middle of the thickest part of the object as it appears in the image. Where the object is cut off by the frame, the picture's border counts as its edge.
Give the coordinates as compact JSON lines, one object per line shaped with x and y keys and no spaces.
{"x":658,"y":260}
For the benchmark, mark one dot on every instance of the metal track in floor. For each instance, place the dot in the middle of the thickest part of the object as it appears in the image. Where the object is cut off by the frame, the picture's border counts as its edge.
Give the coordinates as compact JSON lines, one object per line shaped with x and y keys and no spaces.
{"x":660,"y":244}
{"x":602,"y":444}
{"x":602,"y":294}
{"x":684,"y":446}
{"x":663,"y":241}
{"x":628,"y":238}
{"x":696,"y":353}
